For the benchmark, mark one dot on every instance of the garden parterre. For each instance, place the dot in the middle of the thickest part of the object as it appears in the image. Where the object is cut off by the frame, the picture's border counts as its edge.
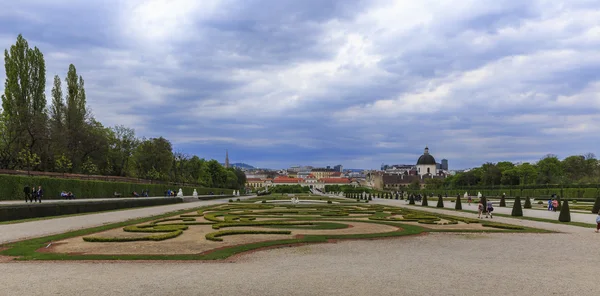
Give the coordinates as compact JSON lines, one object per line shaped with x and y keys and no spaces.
{"x":220,"y":231}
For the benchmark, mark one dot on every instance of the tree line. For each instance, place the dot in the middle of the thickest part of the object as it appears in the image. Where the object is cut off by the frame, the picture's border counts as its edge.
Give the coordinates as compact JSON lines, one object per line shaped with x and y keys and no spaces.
{"x":65,"y":137}
{"x":550,"y":170}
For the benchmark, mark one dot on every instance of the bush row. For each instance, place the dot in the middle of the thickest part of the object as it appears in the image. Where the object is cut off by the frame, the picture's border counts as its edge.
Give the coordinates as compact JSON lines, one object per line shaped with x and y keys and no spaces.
{"x":571,"y":193}
{"x":11,"y":188}
{"x":215,"y":236}
{"x":156,"y":237}
{"x":36,"y":210}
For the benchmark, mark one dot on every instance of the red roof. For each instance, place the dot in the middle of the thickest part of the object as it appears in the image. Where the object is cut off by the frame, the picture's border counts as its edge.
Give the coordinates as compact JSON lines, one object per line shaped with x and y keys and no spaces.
{"x":335,"y":180}
{"x":336,"y":174}
{"x":310,"y":176}
{"x":287,"y":180}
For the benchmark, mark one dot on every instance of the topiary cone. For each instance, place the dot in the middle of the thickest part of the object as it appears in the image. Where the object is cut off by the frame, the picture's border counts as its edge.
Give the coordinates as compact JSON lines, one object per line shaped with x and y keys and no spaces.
{"x":458,"y":205}
{"x":411,"y":200}
{"x":502,"y":201}
{"x":517,"y":211}
{"x":596,"y":207}
{"x":527,"y":203}
{"x":424,"y":201}
{"x":484,"y":202}
{"x":559,"y":204}
{"x":565,"y":213}
{"x":440,"y":203}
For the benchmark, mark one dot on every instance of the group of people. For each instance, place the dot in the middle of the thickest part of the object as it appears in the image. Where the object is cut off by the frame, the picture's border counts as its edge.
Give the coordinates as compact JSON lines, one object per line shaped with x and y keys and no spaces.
{"x":67,"y":195}
{"x":488,"y":208}
{"x":170,"y":192}
{"x":553,"y":203}
{"x":32,"y":194}
{"x":145,"y":193}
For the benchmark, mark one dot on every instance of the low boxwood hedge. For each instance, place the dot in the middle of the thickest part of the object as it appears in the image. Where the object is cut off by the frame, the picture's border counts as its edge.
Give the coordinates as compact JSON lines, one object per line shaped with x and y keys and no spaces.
{"x":215,"y":236}
{"x":157,"y":237}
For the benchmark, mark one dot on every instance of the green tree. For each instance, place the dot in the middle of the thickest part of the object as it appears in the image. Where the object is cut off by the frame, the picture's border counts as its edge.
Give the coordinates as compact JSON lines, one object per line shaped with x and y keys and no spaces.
{"x":28,"y":160}
{"x":575,"y":168}
{"x":517,"y":211}
{"x":63,"y":163}
{"x":415,"y":185}
{"x":24,"y":99}
{"x":510,"y":177}
{"x":89,"y":167}
{"x":596,"y":207}
{"x":550,"y":169}
{"x":458,"y":205}
{"x":565,"y":213}
{"x":527,"y":173}
{"x":491,"y":174}
{"x":440,"y":203}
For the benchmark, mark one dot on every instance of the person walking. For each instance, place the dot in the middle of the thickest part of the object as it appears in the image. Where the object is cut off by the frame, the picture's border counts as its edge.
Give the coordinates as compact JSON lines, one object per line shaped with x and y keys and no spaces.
{"x":479,"y":209}
{"x":26,"y":191}
{"x":40,"y":194}
{"x":490,"y":209}
{"x":469,"y":200}
{"x":598,"y":222}
{"x":549,"y":204}
{"x":33,"y":194}
{"x":554,"y":205}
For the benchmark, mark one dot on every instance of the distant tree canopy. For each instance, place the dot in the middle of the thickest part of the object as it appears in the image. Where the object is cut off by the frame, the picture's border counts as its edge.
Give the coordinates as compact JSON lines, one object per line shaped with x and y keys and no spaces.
{"x":576,"y":169}
{"x":67,"y":138}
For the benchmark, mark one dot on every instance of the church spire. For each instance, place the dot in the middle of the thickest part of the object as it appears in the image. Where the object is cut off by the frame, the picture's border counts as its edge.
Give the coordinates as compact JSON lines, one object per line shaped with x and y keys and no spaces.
{"x":226,"y":158}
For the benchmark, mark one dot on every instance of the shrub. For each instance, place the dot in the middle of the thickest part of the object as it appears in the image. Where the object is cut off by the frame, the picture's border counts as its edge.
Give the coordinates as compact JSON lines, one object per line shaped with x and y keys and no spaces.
{"x":517,"y":211}
{"x":540,"y":202}
{"x":502,"y":201}
{"x":565,"y":213}
{"x":237,"y":199}
{"x":596,"y":207}
{"x":264,"y":201}
{"x":411,"y":200}
{"x":484,"y":202}
{"x":458,"y":205}
{"x":329,"y":201}
{"x":231,"y":200}
{"x":424,"y":201}
{"x":503,"y":226}
{"x":440,"y":203}
{"x":156,"y":237}
{"x":527,"y":203}
{"x":215,"y":236}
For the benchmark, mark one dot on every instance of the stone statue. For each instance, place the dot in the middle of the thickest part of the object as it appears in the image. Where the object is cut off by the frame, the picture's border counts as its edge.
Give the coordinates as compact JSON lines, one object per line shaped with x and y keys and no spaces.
{"x":466,"y":195}
{"x":195,"y":194}
{"x":479,"y":195}
{"x":180,"y":193}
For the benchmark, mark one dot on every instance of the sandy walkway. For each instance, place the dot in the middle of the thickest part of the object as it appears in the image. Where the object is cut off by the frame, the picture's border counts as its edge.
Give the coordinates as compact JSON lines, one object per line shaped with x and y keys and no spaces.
{"x":436,"y":264}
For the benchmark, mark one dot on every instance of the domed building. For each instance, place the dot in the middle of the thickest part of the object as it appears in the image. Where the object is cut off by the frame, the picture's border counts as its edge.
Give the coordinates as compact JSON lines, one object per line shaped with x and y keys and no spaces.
{"x":426,"y":164}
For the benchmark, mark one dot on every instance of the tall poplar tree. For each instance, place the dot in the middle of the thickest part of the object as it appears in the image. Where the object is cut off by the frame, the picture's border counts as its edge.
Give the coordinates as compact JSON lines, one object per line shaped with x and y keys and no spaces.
{"x":24,"y":101}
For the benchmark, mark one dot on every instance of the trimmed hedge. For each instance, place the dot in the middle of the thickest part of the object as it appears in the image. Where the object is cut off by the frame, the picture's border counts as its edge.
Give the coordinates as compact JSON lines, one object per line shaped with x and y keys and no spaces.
{"x":37,"y":210}
{"x":596,"y":207}
{"x":517,"y":211}
{"x":588,"y":192}
{"x":156,"y":237}
{"x":11,"y":188}
{"x":215,"y":236}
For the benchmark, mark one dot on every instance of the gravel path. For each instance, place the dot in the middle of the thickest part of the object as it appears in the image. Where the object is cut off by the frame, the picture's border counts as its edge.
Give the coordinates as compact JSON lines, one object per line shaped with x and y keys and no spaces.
{"x":515,"y":221}
{"x":25,"y":230}
{"x":435,"y":264}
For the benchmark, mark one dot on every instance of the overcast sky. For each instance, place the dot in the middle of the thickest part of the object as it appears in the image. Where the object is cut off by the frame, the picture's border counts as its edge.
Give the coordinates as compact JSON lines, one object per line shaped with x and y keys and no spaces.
{"x":323,"y":82}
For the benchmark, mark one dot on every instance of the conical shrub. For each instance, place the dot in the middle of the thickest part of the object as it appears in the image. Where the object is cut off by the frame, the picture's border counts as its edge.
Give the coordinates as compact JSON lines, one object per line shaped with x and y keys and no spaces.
{"x":440,"y":203}
{"x":565,"y":213}
{"x":596,"y":207}
{"x":517,"y":211}
{"x":424,"y":201}
{"x":411,"y":200}
{"x":484,"y":202}
{"x":527,"y":203}
{"x":502,"y":201}
{"x":559,"y":207}
{"x":458,"y":205}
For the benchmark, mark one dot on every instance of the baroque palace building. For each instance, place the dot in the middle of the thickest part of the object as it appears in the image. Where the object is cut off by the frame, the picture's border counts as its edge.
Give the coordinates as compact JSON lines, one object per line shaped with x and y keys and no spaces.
{"x":426,"y":168}
{"x":310,"y":181}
